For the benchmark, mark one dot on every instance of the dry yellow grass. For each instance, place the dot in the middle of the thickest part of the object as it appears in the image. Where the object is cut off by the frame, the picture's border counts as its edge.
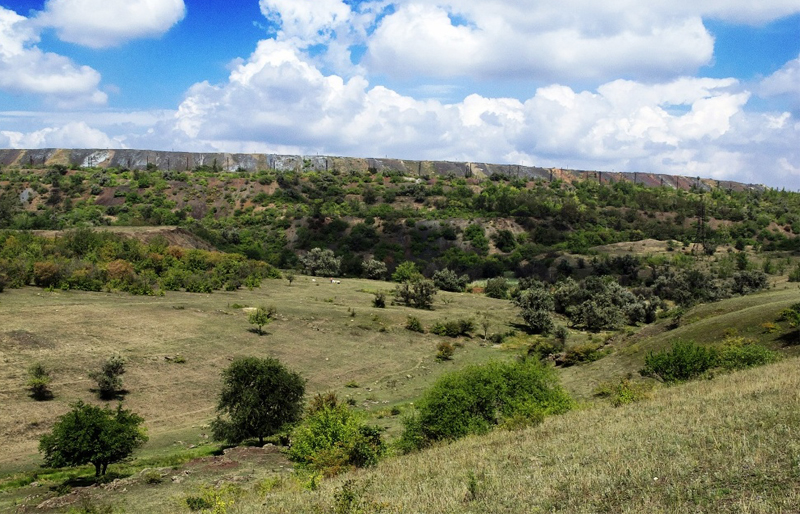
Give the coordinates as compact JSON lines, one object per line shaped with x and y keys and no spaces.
{"x":726,"y":445}
{"x":316,"y":334}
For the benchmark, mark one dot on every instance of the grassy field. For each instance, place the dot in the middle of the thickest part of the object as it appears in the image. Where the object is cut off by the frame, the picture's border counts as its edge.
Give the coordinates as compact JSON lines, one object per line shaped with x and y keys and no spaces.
{"x":709,"y":443}
{"x":316,"y":334}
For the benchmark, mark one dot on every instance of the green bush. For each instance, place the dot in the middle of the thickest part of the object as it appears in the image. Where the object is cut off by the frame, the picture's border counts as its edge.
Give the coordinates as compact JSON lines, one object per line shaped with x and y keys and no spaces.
{"x":623,"y":392}
{"x":477,"y":398}
{"x":447,"y":280}
{"x":453,"y":328}
{"x":413,"y":324}
{"x":684,"y":361}
{"x":738,"y":353}
{"x":39,"y":382}
{"x":578,"y":354}
{"x":379,"y":301}
{"x":444,"y":351}
{"x":332,"y":438}
{"x":496,"y":288}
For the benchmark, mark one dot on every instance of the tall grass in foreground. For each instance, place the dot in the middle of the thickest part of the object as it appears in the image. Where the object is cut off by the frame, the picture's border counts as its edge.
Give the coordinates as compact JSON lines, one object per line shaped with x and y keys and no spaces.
{"x":726,"y":445}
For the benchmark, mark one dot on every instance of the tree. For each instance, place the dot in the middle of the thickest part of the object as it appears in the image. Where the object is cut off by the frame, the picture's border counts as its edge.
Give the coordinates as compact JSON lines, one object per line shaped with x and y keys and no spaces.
{"x":406,"y":271}
{"x":290,"y":276}
{"x":262,"y":316}
{"x":90,"y":434}
{"x":536,"y":304}
{"x":319,"y":262}
{"x":39,"y":382}
{"x":448,"y":280}
{"x":374,"y":269}
{"x":258,"y":397}
{"x":109,"y":378}
{"x":416,"y":293}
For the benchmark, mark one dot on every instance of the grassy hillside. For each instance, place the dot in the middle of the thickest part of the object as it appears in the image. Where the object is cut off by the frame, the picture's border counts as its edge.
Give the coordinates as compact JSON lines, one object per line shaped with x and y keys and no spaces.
{"x":725,"y":445}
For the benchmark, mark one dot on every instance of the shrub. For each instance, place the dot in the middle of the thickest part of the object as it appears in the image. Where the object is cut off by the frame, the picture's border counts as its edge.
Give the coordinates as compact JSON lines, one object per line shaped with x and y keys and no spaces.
{"x":332,"y":438}
{"x":418,"y":293}
{"x":406,"y":272}
{"x":477,"y":398}
{"x":684,"y":361}
{"x":379,"y":301}
{"x":739,"y":353}
{"x":109,"y":378}
{"x":623,"y":392}
{"x":447,"y":280}
{"x":39,"y":382}
{"x":496,"y":288}
{"x":455,"y":328}
{"x":413,"y":324}
{"x":589,"y":352}
{"x":444,"y":351}
{"x":535,"y":305}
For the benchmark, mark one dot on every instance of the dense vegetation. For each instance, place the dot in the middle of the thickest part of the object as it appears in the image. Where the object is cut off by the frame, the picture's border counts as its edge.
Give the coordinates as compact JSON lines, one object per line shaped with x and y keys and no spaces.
{"x":278,"y":216}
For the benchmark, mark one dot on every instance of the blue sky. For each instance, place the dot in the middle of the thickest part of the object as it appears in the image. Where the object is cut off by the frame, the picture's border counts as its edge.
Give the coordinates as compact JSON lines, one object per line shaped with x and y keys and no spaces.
{"x":708,"y":88}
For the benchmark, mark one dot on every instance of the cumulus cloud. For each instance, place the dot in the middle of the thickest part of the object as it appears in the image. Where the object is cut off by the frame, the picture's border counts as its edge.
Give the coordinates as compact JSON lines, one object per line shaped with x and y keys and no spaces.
{"x":277,"y":101}
{"x":104,"y":23}
{"x":25,"y":68}
{"x":70,"y":135}
{"x":554,"y":39}
{"x":785,"y":81}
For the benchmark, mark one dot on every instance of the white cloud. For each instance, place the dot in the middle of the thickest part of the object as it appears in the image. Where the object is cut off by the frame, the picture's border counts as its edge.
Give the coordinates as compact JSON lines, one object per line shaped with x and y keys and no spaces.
{"x":276,"y":101}
{"x":104,"y":23}
{"x":785,"y":81}
{"x":554,"y":39}
{"x":24,"y":68}
{"x":71,"y":135}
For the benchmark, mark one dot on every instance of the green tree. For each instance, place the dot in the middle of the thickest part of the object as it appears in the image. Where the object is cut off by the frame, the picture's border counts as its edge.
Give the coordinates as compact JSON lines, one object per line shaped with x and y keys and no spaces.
{"x":416,"y":293}
{"x":535,"y":305}
{"x":109,"y":378}
{"x":289,"y":276}
{"x":262,"y":316}
{"x":319,"y":262}
{"x":259,"y":397}
{"x":90,"y":434}
{"x":406,"y":271}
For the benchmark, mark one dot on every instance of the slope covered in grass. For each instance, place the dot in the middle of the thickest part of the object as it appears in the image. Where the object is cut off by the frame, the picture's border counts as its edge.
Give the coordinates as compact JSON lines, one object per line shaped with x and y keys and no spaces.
{"x":725,"y":445}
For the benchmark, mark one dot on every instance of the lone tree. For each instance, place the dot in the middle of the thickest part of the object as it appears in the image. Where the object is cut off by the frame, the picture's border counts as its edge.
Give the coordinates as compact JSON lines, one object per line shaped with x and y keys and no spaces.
{"x":90,"y":434}
{"x":259,"y":396}
{"x":262,"y":316}
{"x":109,"y":378}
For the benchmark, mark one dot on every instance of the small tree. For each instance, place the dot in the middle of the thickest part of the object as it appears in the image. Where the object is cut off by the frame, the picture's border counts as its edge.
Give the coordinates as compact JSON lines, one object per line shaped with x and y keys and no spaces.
{"x":536,"y":304}
{"x":39,"y":382}
{"x":418,"y":293}
{"x":319,"y":262}
{"x":447,"y":280}
{"x":485,"y":323}
{"x":406,"y":272}
{"x":90,"y":434}
{"x":290,"y":276}
{"x":374,"y":269}
{"x":109,"y":378}
{"x":259,"y":397}
{"x":262,"y":316}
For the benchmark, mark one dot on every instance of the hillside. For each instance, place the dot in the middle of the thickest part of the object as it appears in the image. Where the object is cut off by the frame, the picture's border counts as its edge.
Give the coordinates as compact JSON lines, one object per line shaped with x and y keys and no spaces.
{"x":162,"y":266}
